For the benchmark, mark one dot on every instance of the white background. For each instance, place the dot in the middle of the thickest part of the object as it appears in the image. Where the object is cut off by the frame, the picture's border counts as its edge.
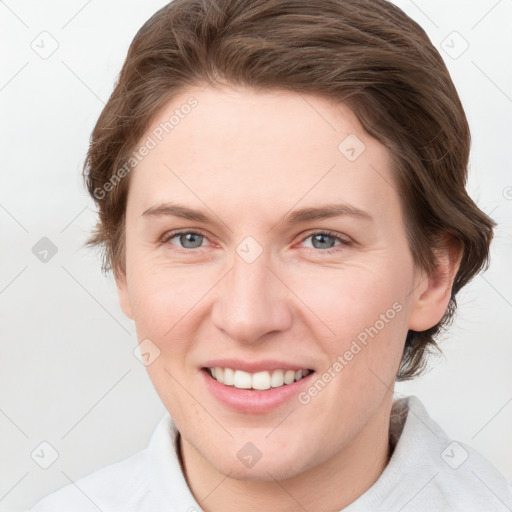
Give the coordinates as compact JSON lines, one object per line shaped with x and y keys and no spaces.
{"x":68,"y":373}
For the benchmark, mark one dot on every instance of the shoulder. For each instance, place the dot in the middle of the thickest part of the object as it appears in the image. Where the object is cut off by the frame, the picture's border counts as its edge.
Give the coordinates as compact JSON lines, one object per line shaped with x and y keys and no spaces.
{"x":148,"y":481}
{"x":429,"y":471}
{"x":444,"y":472}
{"x":469,"y":482}
{"x":119,"y":486}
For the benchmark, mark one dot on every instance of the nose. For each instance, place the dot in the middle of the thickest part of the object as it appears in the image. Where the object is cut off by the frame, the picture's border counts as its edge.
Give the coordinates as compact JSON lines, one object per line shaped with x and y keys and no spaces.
{"x":252,"y":301}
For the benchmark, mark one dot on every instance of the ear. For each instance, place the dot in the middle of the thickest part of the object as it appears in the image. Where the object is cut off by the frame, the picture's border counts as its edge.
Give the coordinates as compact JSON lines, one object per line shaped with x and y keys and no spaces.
{"x":433,"y":291}
{"x":124,"y":297}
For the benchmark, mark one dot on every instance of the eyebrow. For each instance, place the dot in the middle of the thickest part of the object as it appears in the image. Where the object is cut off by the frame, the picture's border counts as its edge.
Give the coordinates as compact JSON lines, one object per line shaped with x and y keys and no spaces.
{"x":295,"y":217}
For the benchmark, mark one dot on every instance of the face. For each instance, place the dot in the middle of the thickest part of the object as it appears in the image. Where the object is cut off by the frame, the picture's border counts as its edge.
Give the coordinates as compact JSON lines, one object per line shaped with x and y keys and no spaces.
{"x":264,"y":237}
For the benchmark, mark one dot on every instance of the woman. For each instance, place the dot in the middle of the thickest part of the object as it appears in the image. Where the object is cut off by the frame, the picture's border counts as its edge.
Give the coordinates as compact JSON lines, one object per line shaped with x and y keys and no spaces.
{"x":281,"y":194}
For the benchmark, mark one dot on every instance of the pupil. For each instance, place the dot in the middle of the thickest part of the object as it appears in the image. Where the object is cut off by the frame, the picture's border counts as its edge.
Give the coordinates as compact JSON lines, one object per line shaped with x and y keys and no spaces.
{"x":321,"y":238}
{"x":189,"y":239}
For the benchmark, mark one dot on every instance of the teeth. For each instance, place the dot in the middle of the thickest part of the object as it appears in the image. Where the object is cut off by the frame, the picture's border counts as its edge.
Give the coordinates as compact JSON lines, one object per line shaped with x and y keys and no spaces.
{"x":242,"y":380}
{"x":260,"y":380}
{"x":229,"y":375}
{"x":219,"y":374}
{"x":277,"y":379}
{"x":289,"y":376}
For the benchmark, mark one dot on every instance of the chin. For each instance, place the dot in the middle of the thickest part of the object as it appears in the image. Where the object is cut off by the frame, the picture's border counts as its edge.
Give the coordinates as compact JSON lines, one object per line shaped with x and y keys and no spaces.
{"x":267,"y":465}
{"x":262,"y":471}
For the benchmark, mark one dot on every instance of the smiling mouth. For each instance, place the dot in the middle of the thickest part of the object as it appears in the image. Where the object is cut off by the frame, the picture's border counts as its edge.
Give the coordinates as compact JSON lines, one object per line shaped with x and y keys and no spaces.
{"x":260,"y":381}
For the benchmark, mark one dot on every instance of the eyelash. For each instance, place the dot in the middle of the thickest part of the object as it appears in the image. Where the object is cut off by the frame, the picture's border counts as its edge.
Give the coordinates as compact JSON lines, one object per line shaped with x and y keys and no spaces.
{"x":343,"y":242}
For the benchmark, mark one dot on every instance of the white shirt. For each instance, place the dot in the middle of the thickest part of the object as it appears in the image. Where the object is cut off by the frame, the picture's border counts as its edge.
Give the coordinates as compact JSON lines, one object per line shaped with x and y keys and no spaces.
{"x":428,"y":472}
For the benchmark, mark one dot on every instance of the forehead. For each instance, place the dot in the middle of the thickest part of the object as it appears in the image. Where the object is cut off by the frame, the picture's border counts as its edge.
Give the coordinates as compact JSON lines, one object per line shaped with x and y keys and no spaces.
{"x":260,"y":150}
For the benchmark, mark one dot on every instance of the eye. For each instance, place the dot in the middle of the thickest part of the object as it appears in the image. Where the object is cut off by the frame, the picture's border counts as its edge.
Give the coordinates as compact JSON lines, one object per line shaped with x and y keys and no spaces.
{"x":186,"y":239}
{"x":325,"y":241}
{"x":322,"y":241}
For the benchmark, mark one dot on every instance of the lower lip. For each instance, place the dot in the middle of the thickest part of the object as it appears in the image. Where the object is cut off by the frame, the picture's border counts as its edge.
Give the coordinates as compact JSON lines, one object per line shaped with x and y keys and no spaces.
{"x":251,"y":400}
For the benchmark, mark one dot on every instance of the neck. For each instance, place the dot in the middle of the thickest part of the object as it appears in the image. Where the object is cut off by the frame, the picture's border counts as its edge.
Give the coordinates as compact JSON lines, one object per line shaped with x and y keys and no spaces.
{"x":330,"y":486}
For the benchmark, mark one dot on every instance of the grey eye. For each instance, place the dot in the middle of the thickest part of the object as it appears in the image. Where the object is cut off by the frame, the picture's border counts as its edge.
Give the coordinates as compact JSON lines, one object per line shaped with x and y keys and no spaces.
{"x":319,"y":241}
{"x":190,"y":240}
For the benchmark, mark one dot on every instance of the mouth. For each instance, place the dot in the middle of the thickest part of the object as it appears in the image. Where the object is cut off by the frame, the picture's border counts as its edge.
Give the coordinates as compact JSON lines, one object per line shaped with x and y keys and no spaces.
{"x":259,"y":381}
{"x":255,"y":387}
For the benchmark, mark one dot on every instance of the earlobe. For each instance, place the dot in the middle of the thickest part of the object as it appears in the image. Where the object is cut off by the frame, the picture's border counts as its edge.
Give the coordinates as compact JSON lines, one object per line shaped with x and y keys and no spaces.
{"x":433,"y":291}
{"x":124,"y":298}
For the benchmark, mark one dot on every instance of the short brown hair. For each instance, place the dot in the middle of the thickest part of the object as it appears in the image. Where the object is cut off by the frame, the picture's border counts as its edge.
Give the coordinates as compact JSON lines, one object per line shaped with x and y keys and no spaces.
{"x":365,"y":53}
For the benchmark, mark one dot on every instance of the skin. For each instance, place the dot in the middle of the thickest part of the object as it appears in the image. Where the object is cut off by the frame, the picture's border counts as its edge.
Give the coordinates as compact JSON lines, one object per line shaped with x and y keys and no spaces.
{"x":247,"y":158}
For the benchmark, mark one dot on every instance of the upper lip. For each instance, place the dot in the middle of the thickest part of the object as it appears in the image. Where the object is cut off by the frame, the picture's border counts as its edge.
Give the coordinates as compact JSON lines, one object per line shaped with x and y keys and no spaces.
{"x":254,"y":366}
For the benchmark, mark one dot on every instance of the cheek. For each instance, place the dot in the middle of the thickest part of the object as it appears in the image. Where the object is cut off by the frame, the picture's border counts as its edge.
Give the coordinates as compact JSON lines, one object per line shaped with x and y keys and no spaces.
{"x":361,"y":327}
{"x":161,"y":296}
{"x":346,"y":301}
{"x":166,"y":303}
